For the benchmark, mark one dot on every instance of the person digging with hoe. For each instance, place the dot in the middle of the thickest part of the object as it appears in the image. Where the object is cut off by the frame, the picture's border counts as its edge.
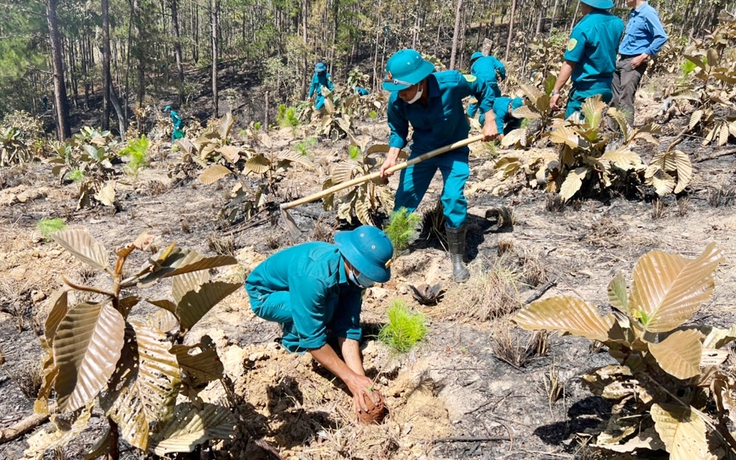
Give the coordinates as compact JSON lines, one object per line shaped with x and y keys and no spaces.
{"x":433,"y":104}
{"x":315,"y":288}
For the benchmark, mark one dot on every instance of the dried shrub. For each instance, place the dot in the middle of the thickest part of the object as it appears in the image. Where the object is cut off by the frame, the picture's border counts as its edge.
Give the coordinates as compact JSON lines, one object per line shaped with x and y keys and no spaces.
{"x":721,"y":196}
{"x":222,"y":245}
{"x":28,"y":378}
{"x":658,"y":209}
{"x":554,"y":203}
{"x":516,"y":347}
{"x":489,"y":293}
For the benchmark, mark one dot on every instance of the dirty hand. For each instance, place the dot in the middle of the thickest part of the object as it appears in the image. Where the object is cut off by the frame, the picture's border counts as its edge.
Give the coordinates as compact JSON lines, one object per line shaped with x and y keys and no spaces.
{"x":639,"y":60}
{"x":361,"y":388}
{"x":553,"y":102}
{"x":489,"y":131}
{"x":387,"y":164}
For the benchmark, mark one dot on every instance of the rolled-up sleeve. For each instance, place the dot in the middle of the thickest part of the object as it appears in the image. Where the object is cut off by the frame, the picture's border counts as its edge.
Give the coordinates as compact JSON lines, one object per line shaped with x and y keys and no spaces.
{"x":481,"y":90}
{"x":658,"y":33}
{"x":398,"y":125}
{"x":346,"y":322}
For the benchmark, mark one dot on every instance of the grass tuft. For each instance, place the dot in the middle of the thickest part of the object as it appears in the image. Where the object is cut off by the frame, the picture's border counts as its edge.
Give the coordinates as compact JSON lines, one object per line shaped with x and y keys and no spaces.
{"x":404,"y":328}
{"x":402,"y":228}
{"x":48,"y":226}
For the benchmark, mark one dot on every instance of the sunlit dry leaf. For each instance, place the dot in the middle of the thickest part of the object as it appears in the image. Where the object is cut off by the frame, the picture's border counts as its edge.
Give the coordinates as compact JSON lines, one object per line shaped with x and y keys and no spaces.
{"x":679,"y":354}
{"x":681,"y":430}
{"x":567,"y":315}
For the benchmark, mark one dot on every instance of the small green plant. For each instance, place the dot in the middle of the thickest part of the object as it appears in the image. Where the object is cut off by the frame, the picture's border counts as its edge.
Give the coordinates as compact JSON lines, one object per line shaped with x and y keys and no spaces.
{"x":287,"y":117}
{"x":404,"y":328}
{"x":305,"y":145}
{"x":402,"y":228}
{"x":137,"y":150}
{"x":353,"y":152}
{"x":76,"y":175}
{"x":48,"y":226}
{"x":373,"y":114}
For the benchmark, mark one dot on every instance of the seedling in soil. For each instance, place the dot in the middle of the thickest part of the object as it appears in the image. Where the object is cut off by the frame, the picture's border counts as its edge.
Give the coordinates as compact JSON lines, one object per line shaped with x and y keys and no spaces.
{"x":402,"y":228}
{"x":404,"y":328}
{"x":48,"y":226}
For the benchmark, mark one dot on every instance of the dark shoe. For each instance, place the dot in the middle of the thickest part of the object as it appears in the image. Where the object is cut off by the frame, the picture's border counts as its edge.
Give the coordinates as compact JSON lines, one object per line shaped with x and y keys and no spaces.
{"x":456,"y":243}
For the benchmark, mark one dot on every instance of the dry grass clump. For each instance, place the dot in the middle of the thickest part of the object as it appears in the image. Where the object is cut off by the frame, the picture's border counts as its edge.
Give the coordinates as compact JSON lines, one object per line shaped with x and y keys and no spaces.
{"x":517,"y":347}
{"x":489,"y":293}
{"x":28,"y":378}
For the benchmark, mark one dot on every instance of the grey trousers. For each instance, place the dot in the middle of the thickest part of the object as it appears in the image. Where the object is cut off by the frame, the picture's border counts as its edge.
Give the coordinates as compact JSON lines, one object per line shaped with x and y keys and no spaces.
{"x":625,"y":83}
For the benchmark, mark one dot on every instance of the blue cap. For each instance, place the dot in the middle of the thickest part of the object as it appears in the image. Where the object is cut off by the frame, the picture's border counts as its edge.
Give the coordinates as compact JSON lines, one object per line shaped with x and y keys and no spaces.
{"x":406,"y":68}
{"x":516,"y":103}
{"x":367,"y":249}
{"x":600,"y":4}
{"x":320,"y":67}
{"x":475,"y":56}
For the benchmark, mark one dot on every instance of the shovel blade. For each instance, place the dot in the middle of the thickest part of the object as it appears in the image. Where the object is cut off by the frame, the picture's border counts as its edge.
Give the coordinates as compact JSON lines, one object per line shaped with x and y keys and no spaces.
{"x":291,"y":225}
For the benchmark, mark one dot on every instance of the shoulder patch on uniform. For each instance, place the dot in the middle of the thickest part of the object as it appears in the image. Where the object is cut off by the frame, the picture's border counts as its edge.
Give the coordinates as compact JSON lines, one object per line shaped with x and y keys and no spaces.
{"x":572,"y":44}
{"x":470,"y":78}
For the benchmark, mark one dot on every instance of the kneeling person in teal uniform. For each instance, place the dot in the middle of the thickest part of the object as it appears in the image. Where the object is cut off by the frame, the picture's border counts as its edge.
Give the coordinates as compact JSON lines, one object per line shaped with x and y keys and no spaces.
{"x":503,"y":108}
{"x":433,"y":104}
{"x":590,"y":59}
{"x":315,"y":288}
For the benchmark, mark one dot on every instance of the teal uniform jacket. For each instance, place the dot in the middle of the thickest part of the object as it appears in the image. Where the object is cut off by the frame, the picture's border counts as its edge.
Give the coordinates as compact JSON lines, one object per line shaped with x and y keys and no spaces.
{"x":442,"y":122}
{"x":318,"y":81}
{"x":505,"y":121}
{"x":592,"y":47}
{"x":489,"y":69}
{"x":305,"y":288}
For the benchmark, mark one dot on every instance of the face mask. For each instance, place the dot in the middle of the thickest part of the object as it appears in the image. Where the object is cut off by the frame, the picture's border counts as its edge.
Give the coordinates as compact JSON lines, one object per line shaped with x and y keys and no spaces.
{"x":416,"y":96}
{"x":361,"y":280}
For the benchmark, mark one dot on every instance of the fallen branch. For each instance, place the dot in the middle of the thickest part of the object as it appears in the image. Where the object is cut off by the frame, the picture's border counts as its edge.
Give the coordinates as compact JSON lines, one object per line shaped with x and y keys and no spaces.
{"x":462,"y":439}
{"x":24,"y":426}
{"x":540,"y":292}
{"x":719,"y":155}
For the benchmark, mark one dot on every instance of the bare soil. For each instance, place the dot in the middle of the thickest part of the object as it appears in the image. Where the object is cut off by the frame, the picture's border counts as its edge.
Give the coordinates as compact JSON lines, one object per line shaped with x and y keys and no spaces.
{"x":451,"y":397}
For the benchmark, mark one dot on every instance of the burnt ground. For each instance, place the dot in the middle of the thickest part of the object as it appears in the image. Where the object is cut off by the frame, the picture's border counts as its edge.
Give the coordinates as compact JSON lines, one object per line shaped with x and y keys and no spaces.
{"x":451,"y":397}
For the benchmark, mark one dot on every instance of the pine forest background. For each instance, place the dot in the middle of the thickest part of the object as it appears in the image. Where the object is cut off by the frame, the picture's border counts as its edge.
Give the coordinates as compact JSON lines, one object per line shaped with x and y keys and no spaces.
{"x":67,"y":60}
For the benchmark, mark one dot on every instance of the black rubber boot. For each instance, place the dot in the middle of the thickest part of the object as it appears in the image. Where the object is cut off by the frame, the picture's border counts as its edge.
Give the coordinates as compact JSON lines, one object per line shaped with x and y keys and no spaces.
{"x":456,"y":243}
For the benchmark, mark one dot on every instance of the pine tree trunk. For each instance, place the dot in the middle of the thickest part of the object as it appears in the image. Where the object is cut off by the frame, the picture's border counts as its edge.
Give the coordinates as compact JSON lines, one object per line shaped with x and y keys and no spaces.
{"x":456,"y":33}
{"x":177,"y":49}
{"x":511,"y":30}
{"x":61,"y":102}
{"x":215,"y":6}
{"x":106,"y":77}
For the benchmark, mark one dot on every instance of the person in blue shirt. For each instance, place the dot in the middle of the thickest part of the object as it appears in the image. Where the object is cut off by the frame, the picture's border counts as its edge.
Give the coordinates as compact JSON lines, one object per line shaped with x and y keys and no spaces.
{"x":177,"y":122}
{"x":432,"y":103}
{"x":315,"y":288}
{"x":643,"y":39}
{"x":319,"y":79}
{"x":360,"y":91}
{"x":503,"y":108}
{"x":590,"y":58}
{"x":489,"y":69}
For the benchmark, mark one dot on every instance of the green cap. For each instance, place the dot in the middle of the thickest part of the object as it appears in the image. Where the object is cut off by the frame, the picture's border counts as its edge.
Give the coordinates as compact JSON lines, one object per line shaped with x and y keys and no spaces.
{"x":406,"y":68}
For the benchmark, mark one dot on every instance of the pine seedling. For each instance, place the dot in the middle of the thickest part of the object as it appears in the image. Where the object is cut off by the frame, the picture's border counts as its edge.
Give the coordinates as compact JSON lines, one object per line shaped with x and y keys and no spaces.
{"x":403,"y":226}
{"x":48,"y":226}
{"x":137,"y":150}
{"x":404,"y":328}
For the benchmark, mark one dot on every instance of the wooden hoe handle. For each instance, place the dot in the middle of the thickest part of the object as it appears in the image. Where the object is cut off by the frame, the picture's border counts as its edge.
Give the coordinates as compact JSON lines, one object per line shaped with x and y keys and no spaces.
{"x":375,"y":175}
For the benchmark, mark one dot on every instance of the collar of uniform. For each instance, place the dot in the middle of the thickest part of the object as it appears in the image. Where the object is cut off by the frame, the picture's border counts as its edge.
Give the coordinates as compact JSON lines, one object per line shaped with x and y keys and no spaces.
{"x":639,"y":8}
{"x":434,"y":87}
{"x":342,"y":275}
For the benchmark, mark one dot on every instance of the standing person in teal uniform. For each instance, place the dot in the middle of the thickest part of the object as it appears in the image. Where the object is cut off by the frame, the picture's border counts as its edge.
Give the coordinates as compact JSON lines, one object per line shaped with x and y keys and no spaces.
{"x":643,"y":39}
{"x":432,"y":103}
{"x":321,"y":78}
{"x":315,"y":288}
{"x":177,"y":122}
{"x":590,"y":59}
{"x":489,"y":69}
